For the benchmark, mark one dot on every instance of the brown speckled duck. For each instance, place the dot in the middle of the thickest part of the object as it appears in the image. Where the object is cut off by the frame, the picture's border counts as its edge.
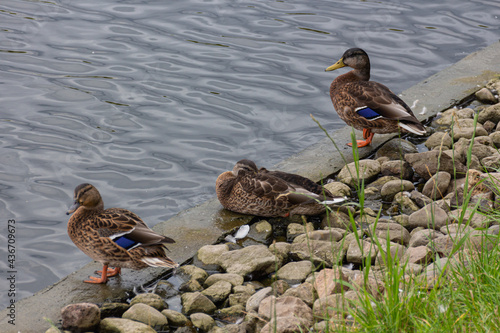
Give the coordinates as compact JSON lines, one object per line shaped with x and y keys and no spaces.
{"x":367,"y":105}
{"x":261,"y":192}
{"x":115,"y":237}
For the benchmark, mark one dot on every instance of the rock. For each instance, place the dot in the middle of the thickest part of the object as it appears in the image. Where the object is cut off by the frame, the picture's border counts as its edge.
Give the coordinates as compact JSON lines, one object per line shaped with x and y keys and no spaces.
{"x":401,"y":220}
{"x":392,"y":187}
{"x":451,"y":116}
{"x":404,"y":203}
{"x":145,"y":314}
{"x":368,"y":170}
{"x":202,"y":321}
{"x":428,"y":163}
{"x":331,"y":234}
{"x":218,"y":292}
{"x":285,"y":314}
{"x":113,"y":309}
{"x":395,"y":149}
{"x":320,"y":252}
{"x":328,"y":281}
{"x":150,"y":299}
{"x":295,"y":229}
{"x":175,"y":318}
{"x":295,"y":272}
{"x":470,"y":217}
{"x":389,"y":253}
{"x":423,"y":237}
{"x":80,"y":317}
{"x":255,"y":259}
{"x":373,"y":286}
{"x":436,"y":187}
{"x":337,"y":220}
{"x":280,"y":249}
{"x":333,"y":305}
{"x":484,"y":95}
{"x":304,"y":291}
{"x":196,"y":302}
{"x":231,"y":314}
{"x":439,"y":139}
{"x":495,"y":138}
{"x":489,"y":126}
{"x":491,"y":113}
{"x":491,"y":163}
{"x":420,"y":199}
{"x":234,"y":279}
{"x":358,"y":255}
{"x":431,"y":216}
{"x":248,"y":288}
{"x":114,"y":325}
{"x":338,"y":189}
{"x":464,"y":128}
{"x":418,"y":255}
{"x":254,"y":300}
{"x":279,"y":287}
{"x":209,"y":254}
{"x":392,"y":231}
{"x":397,"y":168}
{"x":443,"y":245}
{"x":261,"y":231}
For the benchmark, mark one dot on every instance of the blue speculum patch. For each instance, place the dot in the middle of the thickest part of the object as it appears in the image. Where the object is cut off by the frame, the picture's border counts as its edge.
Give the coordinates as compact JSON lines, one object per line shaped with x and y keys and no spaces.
{"x":368,"y":113}
{"x":124,"y":242}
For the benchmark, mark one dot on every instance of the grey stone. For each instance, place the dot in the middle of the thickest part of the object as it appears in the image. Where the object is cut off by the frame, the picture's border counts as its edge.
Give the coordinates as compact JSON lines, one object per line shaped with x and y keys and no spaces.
{"x":397,"y":168}
{"x":304,"y":291}
{"x":295,"y":229}
{"x":423,"y":237}
{"x":394,"y":231}
{"x":439,"y":139}
{"x":150,"y":299}
{"x":451,"y":116}
{"x":486,"y":96}
{"x":404,"y":203}
{"x":418,"y":255}
{"x":196,"y":302}
{"x":334,"y":305}
{"x":238,"y":299}
{"x":389,"y":253}
{"x":285,"y":314}
{"x":320,"y":252}
{"x":261,"y":231}
{"x":436,"y":187}
{"x":254,"y":300}
{"x":231,"y":314}
{"x":332,"y":234}
{"x":329,"y":281}
{"x":175,"y":318}
{"x":254,"y":259}
{"x":209,"y":254}
{"x":80,"y":317}
{"x":428,"y":163}
{"x":194,"y":272}
{"x":395,"y":149}
{"x":464,"y":128}
{"x":392,"y":187}
{"x":218,"y":291}
{"x":234,"y":279}
{"x":358,"y":254}
{"x":430,"y":216}
{"x":113,"y":309}
{"x":420,"y":199}
{"x":295,"y":272}
{"x":338,"y":189}
{"x":368,"y":170}
{"x":145,"y":314}
{"x":202,"y":321}
{"x":114,"y":325}
{"x":280,"y":249}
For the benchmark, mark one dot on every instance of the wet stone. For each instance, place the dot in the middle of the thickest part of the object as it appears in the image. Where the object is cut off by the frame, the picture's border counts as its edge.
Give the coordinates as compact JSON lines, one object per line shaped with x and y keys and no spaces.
{"x":152,"y":300}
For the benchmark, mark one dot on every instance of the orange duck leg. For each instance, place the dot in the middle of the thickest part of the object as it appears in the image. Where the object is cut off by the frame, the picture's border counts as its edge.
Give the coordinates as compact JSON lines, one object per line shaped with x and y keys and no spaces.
{"x":367,"y":135}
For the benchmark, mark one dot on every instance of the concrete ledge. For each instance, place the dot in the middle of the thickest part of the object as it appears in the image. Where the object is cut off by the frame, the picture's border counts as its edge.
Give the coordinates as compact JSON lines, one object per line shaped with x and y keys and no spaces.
{"x":204,"y":224}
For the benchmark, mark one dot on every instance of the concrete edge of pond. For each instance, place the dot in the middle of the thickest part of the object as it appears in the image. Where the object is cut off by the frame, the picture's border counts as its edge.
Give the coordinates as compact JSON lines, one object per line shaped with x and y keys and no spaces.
{"x":205,"y":223}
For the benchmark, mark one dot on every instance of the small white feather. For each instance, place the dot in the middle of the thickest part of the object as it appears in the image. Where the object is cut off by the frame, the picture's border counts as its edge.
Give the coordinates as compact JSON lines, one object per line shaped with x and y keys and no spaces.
{"x":424,"y":110}
{"x":414,"y":104}
{"x":242,"y":232}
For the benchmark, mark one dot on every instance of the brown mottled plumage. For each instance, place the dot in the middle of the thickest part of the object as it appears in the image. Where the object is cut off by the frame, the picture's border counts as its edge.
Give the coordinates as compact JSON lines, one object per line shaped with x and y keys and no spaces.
{"x":367,"y":105}
{"x":261,"y":192}
{"x":114,"y":237}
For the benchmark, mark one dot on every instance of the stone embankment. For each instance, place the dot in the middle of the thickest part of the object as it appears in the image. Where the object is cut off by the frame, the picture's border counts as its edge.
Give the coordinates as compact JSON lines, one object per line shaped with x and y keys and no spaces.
{"x":417,"y":207}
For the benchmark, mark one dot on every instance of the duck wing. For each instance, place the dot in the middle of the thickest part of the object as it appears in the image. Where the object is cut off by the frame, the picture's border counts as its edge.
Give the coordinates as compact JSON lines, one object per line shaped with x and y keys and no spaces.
{"x":127,"y":229}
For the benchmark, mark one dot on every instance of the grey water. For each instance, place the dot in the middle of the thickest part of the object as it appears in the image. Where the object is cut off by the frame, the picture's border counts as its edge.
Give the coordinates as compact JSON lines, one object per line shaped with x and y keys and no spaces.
{"x":151,"y":100}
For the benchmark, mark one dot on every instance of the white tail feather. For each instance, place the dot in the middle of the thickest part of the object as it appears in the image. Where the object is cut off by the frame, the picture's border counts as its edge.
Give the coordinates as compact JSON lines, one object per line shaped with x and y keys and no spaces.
{"x":412,"y":129}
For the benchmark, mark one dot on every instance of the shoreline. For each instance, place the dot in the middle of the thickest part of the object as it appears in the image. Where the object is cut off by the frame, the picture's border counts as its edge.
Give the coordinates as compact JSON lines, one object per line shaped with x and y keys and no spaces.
{"x":204,"y":224}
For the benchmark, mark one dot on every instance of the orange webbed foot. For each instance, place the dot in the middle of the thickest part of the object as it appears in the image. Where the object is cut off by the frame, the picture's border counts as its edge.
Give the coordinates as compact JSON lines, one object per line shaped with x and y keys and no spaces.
{"x":367,"y":135}
{"x":97,"y":280}
{"x":111,"y":272}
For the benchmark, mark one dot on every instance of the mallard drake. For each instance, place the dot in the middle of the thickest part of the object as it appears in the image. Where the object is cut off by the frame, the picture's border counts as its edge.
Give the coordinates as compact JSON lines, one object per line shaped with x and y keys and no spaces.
{"x":115,"y":237}
{"x":249,"y":190}
{"x":367,"y":105}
